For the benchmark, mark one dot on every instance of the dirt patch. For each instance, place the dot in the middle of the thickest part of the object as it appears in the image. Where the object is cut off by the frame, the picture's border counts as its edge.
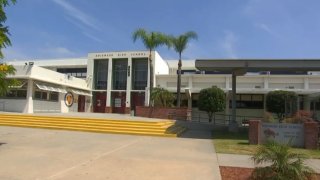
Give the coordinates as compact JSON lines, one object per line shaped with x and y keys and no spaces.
{"x":231,"y":173}
{"x":237,"y":173}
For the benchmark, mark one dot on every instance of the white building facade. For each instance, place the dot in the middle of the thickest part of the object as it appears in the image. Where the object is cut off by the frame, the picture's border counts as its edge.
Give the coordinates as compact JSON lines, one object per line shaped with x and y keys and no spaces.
{"x":117,"y":82}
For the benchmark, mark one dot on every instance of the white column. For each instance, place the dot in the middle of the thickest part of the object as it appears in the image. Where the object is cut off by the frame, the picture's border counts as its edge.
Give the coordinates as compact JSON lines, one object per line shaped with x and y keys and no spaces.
{"x":306,"y":83}
{"x":129,"y":82}
{"x":29,"y":105}
{"x":109,"y":86}
{"x":227,"y":83}
{"x":266,"y":83}
{"x":147,"y":92}
{"x":190,"y":83}
{"x":64,"y":107}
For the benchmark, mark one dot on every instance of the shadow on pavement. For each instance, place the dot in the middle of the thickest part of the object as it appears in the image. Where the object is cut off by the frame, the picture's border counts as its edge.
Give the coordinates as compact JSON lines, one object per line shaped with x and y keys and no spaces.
{"x":197,"y":130}
{"x":196,"y":134}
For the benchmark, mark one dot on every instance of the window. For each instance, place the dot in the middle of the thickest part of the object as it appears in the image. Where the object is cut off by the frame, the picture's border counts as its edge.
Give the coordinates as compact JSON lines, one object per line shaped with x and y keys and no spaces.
{"x":16,"y":94}
{"x":120,"y":74}
{"x":101,"y":74}
{"x":40,"y":95}
{"x":53,"y":96}
{"x":139,"y":74}
{"x":248,"y":101}
{"x":76,"y":72}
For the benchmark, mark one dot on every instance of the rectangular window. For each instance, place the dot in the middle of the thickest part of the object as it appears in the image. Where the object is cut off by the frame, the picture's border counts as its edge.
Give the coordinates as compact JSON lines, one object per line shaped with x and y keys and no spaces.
{"x":248,"y":101}
{"x":139,"y":74}
{"x":119,"y":74}
{"x":53,"y":96}
{"x":40,"y":95}
{"x":76,"y":72}
{"x":101,"y":74}
{"x":16,"y":94}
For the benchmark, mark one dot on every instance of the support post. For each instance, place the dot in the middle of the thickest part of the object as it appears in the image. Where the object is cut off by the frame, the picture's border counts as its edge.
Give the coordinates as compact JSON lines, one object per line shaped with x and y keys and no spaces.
{"x":233,"y":125}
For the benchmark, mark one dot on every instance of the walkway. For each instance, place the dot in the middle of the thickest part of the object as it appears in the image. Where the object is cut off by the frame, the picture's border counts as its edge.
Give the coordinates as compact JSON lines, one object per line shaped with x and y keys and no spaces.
{"x":27,"y":153}
{"x":236,"y":160}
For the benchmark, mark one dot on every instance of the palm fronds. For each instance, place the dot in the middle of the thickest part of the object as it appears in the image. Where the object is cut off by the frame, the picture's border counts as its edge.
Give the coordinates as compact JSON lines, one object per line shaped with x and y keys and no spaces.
{"x":284,"y":164}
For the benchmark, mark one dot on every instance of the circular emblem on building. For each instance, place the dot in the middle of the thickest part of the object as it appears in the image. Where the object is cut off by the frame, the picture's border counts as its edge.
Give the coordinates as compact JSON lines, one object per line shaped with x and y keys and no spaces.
{"x":69,"y":99}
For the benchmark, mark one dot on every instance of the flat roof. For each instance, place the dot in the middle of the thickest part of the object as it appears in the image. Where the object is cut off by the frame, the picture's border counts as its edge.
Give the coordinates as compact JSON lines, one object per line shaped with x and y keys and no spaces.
{"x":258,"y":64}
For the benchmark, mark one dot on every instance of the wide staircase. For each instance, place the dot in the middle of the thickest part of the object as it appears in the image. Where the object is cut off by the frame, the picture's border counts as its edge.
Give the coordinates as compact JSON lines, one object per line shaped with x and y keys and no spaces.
{"x":165,"y":128}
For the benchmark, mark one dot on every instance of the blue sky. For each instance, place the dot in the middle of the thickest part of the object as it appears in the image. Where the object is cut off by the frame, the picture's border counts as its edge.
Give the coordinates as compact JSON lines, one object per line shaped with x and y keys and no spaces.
{"x":226,"y":28}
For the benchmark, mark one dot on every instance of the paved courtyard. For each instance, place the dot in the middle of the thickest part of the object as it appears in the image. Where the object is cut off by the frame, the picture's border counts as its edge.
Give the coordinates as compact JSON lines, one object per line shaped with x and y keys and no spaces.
{"x":27,"y":153}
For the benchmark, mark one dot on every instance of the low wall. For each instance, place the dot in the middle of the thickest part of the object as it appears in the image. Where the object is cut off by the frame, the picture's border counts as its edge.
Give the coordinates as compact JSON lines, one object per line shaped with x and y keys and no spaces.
{"x":302,"y":135}
{"x":162,"y":113}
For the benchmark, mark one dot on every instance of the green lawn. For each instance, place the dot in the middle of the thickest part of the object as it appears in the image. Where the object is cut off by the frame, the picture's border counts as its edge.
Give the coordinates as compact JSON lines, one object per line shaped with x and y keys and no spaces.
{"x":238,"y":143}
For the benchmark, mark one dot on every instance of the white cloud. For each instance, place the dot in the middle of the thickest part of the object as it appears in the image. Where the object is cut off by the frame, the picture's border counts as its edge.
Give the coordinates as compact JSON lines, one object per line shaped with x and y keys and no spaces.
{"x":228,"y":44}
{"x":58,"y":52}
{"x":78,"y":15}
{"x":264,"y":27}
{"x":251,"y":5}
{"x":92,"y":37}
{"x":12,"y":53}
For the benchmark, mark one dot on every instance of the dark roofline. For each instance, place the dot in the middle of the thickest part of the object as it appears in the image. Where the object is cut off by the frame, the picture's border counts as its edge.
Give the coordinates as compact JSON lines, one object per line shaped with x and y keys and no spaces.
{"x":258,"y":64}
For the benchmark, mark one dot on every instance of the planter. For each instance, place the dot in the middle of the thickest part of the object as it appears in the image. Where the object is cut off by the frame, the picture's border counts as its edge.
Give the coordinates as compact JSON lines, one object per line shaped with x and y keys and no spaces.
{"x":162,"y":113}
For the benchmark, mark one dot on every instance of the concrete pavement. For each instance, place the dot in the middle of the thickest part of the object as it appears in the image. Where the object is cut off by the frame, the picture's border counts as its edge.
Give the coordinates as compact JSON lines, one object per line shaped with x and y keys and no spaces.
{"x":28,"y":153}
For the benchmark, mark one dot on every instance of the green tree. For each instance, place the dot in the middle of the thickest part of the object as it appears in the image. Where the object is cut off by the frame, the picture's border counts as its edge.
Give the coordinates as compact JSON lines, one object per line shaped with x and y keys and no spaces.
{"x":151,"y":40}
{"x":4,"y":42}
{"x":212,"y":100}
{"x":179,"y":44}
{"x":4,"y":82}
{"x":280,"y":102}
{"x":4,"y":30}
{"x":284,"y":164}
{"x":162,"y":97}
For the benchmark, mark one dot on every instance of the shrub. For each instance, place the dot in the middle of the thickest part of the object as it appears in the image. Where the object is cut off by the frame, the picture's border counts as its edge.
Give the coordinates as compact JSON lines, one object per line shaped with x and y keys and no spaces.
{"x":281,"y":102}
{"x":212,"y":100}
{"x":268,"y":117}
{"x":162,"y":97}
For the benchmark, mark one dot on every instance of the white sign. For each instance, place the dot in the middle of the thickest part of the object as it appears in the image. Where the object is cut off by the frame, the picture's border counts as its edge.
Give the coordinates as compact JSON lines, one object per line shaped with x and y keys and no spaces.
{"x":117,"y":102}
{"x":283,"y":133}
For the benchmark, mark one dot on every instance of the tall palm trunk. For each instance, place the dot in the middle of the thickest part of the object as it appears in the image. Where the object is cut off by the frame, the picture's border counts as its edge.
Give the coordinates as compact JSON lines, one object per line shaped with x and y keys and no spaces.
{"x":151,"y":77}
{"x":179,"y":82}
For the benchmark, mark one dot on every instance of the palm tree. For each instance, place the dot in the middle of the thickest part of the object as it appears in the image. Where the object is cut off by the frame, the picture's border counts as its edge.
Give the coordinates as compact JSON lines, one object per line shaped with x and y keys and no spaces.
{"x":5,"y":83}
{"x":284,"y":164}
{"x":4,"y":42}
{"x":150,"y":40}
{"x":4,"y":31}
{"x":179,"y":44}
{"x":162,"y":97}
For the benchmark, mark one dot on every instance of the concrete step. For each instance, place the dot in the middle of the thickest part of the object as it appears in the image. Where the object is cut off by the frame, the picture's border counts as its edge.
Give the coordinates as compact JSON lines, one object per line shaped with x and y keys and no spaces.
{"x":89,"y":123}
{"x":82,"y":119}
{"x":92,"y":130}
{"x":71,"y":125}
{"x":165,"y":128}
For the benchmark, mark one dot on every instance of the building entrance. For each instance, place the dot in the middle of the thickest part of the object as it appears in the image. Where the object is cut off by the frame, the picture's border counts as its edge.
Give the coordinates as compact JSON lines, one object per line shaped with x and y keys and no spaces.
{"x":137,"y":99}
{"x":118,"y":102}
{"x":81,"y":103}
{"x":99,"y":103}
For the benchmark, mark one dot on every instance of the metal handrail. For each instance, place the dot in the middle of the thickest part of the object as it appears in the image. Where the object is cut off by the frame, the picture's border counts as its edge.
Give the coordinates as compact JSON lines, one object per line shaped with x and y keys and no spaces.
{"x":218,"y":119}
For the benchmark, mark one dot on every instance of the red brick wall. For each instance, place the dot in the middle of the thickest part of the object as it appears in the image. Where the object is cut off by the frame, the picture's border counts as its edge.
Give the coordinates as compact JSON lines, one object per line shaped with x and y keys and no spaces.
{"x":127,"y":110}
{"x":254,"y":131}
{"x":108,"y":110}
{"x":162,"y":113}
{"x":311,"y":135}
